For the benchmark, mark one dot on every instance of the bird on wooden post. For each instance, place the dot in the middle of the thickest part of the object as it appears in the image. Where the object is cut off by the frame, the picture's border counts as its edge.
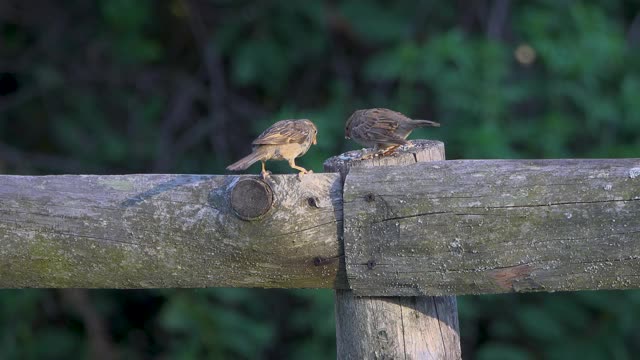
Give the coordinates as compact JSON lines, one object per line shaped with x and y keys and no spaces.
{"x":383,"y":129}
{"x":284,"y":140}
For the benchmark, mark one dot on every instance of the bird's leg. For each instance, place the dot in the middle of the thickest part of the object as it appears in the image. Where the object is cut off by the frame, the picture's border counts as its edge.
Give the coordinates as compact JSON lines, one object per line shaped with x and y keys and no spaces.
{"x":264,"y":174}
{"x":303,"y":171}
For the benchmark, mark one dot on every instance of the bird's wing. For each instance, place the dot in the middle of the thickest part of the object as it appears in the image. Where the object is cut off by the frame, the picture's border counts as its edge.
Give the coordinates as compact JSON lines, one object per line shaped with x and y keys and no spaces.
{"x":283,"y":132}
{"x":380,"y":125}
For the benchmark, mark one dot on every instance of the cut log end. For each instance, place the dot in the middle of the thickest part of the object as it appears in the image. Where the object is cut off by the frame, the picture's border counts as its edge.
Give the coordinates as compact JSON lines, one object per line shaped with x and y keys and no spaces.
{"x":415,"y":151}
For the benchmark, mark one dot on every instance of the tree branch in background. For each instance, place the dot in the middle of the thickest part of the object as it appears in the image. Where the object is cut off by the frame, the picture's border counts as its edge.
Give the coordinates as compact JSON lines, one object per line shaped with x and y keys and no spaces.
{"x":633,"y":35}
{"x":215,"y":73}
{"x":193,"y":135}
{"x":186,"y":92}
{"x":497,"y":19}
{"x":100,"y":344}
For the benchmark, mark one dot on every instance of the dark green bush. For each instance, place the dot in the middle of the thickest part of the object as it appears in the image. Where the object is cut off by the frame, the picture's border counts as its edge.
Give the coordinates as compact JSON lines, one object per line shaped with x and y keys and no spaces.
{"x":123,"y":86}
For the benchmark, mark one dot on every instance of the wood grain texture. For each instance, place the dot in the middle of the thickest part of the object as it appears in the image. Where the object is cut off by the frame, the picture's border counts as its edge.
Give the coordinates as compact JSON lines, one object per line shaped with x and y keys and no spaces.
{"x":415,"y":327}
{"x":156,"y":231}
{"x":406,"y":327}
{"x":494,"y":226}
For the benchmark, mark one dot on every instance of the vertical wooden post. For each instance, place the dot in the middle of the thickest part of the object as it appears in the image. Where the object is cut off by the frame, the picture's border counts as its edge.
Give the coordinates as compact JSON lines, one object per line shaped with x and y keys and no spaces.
{"x":416,"y":327}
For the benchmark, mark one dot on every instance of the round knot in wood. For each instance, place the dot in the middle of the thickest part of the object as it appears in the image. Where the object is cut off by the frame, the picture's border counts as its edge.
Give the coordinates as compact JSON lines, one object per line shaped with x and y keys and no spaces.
{"x":251,"y":198}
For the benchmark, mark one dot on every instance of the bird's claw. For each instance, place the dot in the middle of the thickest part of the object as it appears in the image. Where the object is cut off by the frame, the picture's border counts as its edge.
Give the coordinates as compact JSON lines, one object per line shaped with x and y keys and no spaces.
{"x":304,"y":173}
{"x":264,"y":175}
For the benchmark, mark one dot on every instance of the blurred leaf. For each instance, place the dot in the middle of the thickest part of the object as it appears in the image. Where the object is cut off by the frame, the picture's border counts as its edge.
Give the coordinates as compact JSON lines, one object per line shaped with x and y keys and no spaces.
{"x":374,"y":22}
{"x":126,"y":15}
{"x":259,"y":62}
{"x":498,"y":351}
{"x":539,"y":324}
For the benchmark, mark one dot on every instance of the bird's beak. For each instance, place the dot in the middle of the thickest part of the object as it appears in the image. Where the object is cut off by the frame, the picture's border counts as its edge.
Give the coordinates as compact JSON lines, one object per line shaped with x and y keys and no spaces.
{"x":315,"y":141}
{"x":346,"y":137}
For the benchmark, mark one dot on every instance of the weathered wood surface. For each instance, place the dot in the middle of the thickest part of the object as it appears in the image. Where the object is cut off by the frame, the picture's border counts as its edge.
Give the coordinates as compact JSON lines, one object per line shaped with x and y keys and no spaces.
{"x":495,"y":226}
{"x":408,"y":327}
{"x":416,"y":327}
{"x":150,"y":231}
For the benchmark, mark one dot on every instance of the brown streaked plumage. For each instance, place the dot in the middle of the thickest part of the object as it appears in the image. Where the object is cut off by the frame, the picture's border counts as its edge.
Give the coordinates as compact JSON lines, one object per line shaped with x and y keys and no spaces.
{"x":382,"y":129}
{"x":284,"y":140}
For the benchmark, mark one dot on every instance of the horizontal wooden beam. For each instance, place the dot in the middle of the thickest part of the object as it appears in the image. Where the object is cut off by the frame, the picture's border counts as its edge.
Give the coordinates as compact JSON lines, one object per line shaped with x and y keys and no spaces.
{"x":449,"y":227}
{"x":152,"y":231}
{"x":494,"y":226}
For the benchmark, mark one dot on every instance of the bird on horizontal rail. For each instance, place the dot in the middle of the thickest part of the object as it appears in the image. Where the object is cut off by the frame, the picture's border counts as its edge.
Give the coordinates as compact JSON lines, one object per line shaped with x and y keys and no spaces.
{"x":383,"y":129}
{"x":284,"y":140}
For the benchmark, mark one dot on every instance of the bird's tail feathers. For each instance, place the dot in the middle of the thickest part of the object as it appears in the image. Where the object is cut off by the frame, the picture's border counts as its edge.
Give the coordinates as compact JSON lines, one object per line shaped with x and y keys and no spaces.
{"x":425,"y":123}
{"x":245,"y":162}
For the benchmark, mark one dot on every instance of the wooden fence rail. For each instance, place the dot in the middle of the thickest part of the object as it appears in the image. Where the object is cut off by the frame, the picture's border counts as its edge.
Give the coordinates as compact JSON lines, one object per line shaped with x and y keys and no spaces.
{"x":493,"y":226}
{"x":438,"y":228}
{"x":151,"y":231}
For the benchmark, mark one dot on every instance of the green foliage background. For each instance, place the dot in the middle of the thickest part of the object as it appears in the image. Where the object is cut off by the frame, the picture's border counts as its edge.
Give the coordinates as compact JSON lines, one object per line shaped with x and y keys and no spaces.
{"x":127,"y":86}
